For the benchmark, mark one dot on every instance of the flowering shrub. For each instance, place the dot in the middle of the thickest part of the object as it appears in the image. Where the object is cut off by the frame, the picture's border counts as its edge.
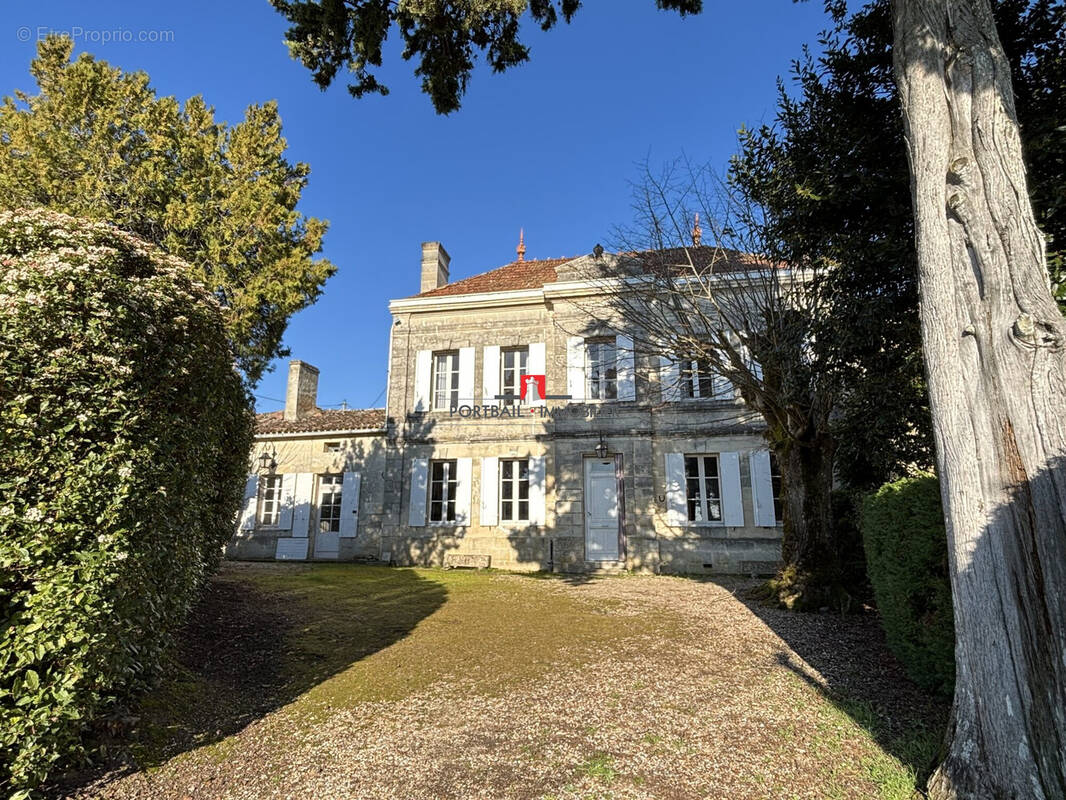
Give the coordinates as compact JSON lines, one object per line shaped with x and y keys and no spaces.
{"x":124,"y":438}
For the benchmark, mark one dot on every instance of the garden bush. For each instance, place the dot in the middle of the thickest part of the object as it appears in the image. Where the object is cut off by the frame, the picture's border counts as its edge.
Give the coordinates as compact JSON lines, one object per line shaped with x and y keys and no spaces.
{"x":907,"y":561}
{"x":124,"y":438}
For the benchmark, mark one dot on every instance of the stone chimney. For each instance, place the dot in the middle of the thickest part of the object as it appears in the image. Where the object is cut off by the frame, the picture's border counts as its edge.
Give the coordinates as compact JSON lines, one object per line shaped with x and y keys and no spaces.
{"x":301,"y":396}
{"x":435,"y":261}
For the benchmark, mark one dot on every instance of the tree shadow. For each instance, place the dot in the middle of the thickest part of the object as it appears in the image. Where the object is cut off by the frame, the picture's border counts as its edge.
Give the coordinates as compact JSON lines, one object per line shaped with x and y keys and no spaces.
{"x":860,"y":676}
{"x":260,"y":637}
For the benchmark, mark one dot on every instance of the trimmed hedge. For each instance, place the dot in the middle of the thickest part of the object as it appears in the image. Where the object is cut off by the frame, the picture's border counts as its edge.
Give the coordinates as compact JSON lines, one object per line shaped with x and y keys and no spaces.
{"x":907,"y":561}
{"x":124,"y":438}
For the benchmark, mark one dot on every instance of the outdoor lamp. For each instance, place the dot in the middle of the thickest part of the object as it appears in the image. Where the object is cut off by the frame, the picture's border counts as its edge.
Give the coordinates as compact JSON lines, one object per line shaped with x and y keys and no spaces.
{"x":267,"y":462}
{"x":601,"y":448}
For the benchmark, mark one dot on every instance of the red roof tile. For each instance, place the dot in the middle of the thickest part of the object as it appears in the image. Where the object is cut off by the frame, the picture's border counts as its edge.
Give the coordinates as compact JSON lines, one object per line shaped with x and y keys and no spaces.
{"x":354,"y":419}
{"x":510,"y":277}
{"x":535,"y":274}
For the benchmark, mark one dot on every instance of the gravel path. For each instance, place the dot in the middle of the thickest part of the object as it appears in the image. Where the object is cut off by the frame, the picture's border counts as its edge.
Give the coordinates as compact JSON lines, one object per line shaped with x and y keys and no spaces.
{"x":697,"y":694}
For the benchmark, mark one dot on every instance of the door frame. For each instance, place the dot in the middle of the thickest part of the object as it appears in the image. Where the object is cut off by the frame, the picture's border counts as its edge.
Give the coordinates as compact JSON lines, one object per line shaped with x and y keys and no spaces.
{"x":316,"y":512}
{"x":619,"y":503}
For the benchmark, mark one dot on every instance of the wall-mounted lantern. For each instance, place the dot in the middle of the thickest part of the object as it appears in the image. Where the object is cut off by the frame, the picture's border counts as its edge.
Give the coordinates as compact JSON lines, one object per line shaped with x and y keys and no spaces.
{"x":267,"y":462}
{"x":601,"y":448}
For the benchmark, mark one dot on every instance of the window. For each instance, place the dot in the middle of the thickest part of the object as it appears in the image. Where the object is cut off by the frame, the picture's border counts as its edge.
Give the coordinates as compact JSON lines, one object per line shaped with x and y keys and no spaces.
{"x":697,"y":379}
{"x":703,"y":489}
{"x":442,"y":489}
{"x":775,"y":479}
{"x":331,"y":447}
{"x":329,"y":503}
{"x":269,"y":500}
{"x":512,"y":368}
{"x":514,"y":490}
{"x":445,"y":380}
{"x":601,"y":367}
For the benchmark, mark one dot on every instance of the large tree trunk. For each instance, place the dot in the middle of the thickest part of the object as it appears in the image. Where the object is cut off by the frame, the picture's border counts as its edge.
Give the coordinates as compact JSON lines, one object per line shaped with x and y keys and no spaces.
{"x":808,"y":543}
{"x":993,"y":341}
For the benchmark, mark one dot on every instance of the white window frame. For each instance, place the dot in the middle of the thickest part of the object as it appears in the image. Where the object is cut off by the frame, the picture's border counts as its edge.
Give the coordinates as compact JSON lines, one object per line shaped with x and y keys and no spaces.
{"x":598,"y":385}
{"x":268,"y":511}
{"x":776,"y":495}
{"x":692,"y":376}
{"x":449,"y":483}
{"x":335,"y":486}
{"x":515,"y":480}
{"x":449,"y":360}
{"x":518,"y":370}
{"x":703,"y":498}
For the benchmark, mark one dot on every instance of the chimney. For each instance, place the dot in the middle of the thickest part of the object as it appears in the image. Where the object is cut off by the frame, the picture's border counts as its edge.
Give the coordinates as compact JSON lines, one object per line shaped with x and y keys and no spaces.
{"x":434,"y":265}
{"x":301,"y":396}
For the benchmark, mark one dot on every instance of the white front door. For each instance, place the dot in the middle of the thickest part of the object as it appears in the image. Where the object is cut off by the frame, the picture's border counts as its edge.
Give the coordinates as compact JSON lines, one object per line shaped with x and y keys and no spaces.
{"x":327,"y":532}
{"x":601,"y":510}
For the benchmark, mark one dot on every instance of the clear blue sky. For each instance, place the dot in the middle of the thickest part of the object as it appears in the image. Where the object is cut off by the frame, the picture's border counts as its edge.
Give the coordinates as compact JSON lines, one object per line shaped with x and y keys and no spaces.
{"x":549,"y":146}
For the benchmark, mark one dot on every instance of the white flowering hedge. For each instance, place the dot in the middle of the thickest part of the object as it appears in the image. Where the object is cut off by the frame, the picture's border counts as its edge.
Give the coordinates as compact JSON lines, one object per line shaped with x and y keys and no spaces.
{"x":124,"y":438}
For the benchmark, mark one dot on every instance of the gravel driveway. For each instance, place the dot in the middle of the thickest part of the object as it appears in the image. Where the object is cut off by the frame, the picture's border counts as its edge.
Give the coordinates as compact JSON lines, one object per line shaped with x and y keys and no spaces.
{"x":359,"y":682}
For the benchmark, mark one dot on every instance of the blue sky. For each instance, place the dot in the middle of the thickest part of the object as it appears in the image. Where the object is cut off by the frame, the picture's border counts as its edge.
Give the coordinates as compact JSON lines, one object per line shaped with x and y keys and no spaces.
{"x":549,"y":146}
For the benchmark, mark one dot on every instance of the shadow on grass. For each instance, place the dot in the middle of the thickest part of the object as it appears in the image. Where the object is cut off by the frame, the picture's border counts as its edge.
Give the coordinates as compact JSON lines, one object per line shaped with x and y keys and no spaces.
{"x":260,"y":637}
{"x":862,"y":678}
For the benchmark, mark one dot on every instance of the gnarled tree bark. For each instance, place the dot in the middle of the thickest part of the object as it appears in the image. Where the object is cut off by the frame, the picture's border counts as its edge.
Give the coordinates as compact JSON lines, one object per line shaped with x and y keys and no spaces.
{"x":994,"y":349}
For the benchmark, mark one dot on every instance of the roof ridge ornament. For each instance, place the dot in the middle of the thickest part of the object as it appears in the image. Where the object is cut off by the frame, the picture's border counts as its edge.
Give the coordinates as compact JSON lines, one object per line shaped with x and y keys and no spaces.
{"x":697,"y":232}
{"x":521,"y":249}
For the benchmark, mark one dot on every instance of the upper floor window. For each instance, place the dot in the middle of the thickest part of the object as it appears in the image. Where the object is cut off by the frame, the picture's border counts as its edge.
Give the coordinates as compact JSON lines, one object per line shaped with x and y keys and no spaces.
{"x":697,"y":379}
{"x":703,"y":488}
{"x":601,"y":369}
{"x":445,"y":380}
{"x":329,"y":503}
{"x":514,"y":490}
{"x":513,"y":364}
{"x":443,"y":485}
{"x":269,"y":500}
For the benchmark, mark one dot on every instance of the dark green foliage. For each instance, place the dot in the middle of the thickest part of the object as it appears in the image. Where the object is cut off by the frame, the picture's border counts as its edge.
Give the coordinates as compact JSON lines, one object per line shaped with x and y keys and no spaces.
{"x":907,"y":561}
{"x":443,"y":38}
{"x":124,"y":436}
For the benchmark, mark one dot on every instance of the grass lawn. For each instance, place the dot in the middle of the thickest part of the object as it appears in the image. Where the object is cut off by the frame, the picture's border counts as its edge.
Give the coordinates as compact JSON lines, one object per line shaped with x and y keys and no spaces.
{"x":346,"y":681}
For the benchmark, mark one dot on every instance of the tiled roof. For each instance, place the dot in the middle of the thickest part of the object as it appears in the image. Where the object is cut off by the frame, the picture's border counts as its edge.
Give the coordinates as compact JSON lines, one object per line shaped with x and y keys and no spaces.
{"x":535,"y":274}
{"x":355,"y":419}
{"x":516,"y":275}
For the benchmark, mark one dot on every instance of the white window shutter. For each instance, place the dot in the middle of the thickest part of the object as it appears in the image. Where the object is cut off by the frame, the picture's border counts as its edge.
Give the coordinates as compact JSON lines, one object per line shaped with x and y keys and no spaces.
{"x":463,"y":475}
{"x":537,"y":490}
{"x":251,"y":502}
{"x":762,"y":489}
{"x":490,"y":482}
{"x":350,"y":504}
{"x":676,"y":508}
{"x":732,"y":501}
{"x":723,"y":387}
{"x":625,"y":362}
{"x":490,"y":374}
{"x":288,"y":491}
{"x":669,"y":379}
{"x":423,"y":379}
{"x":303,"y":498}
{"x":416,"y":509}
{"x":466,"y":376}
{"x":575,"y":368}
{"x":536,"y":364}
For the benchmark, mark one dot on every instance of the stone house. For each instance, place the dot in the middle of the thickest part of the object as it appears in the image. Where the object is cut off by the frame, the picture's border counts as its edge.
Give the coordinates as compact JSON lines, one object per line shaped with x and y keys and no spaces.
{"x":521,"y":429}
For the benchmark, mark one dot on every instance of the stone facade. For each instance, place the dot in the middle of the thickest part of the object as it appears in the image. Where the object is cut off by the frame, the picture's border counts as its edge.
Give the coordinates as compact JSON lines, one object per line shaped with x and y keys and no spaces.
{"x":444,"y":435}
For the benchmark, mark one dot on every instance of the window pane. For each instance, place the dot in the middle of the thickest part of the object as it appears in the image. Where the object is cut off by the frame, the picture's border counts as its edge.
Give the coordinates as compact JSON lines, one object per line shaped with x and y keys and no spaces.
{"x":451,"y":510}
{"x":523,"y":510}
{"x":507,"y":490}
{"x":434,"y":512}
{"x":505,"y":509}
{"x":506,"y":467}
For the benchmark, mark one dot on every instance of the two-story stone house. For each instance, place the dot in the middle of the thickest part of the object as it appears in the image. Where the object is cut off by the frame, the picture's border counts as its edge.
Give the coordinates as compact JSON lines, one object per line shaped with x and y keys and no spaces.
{"x":614,"y":459}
